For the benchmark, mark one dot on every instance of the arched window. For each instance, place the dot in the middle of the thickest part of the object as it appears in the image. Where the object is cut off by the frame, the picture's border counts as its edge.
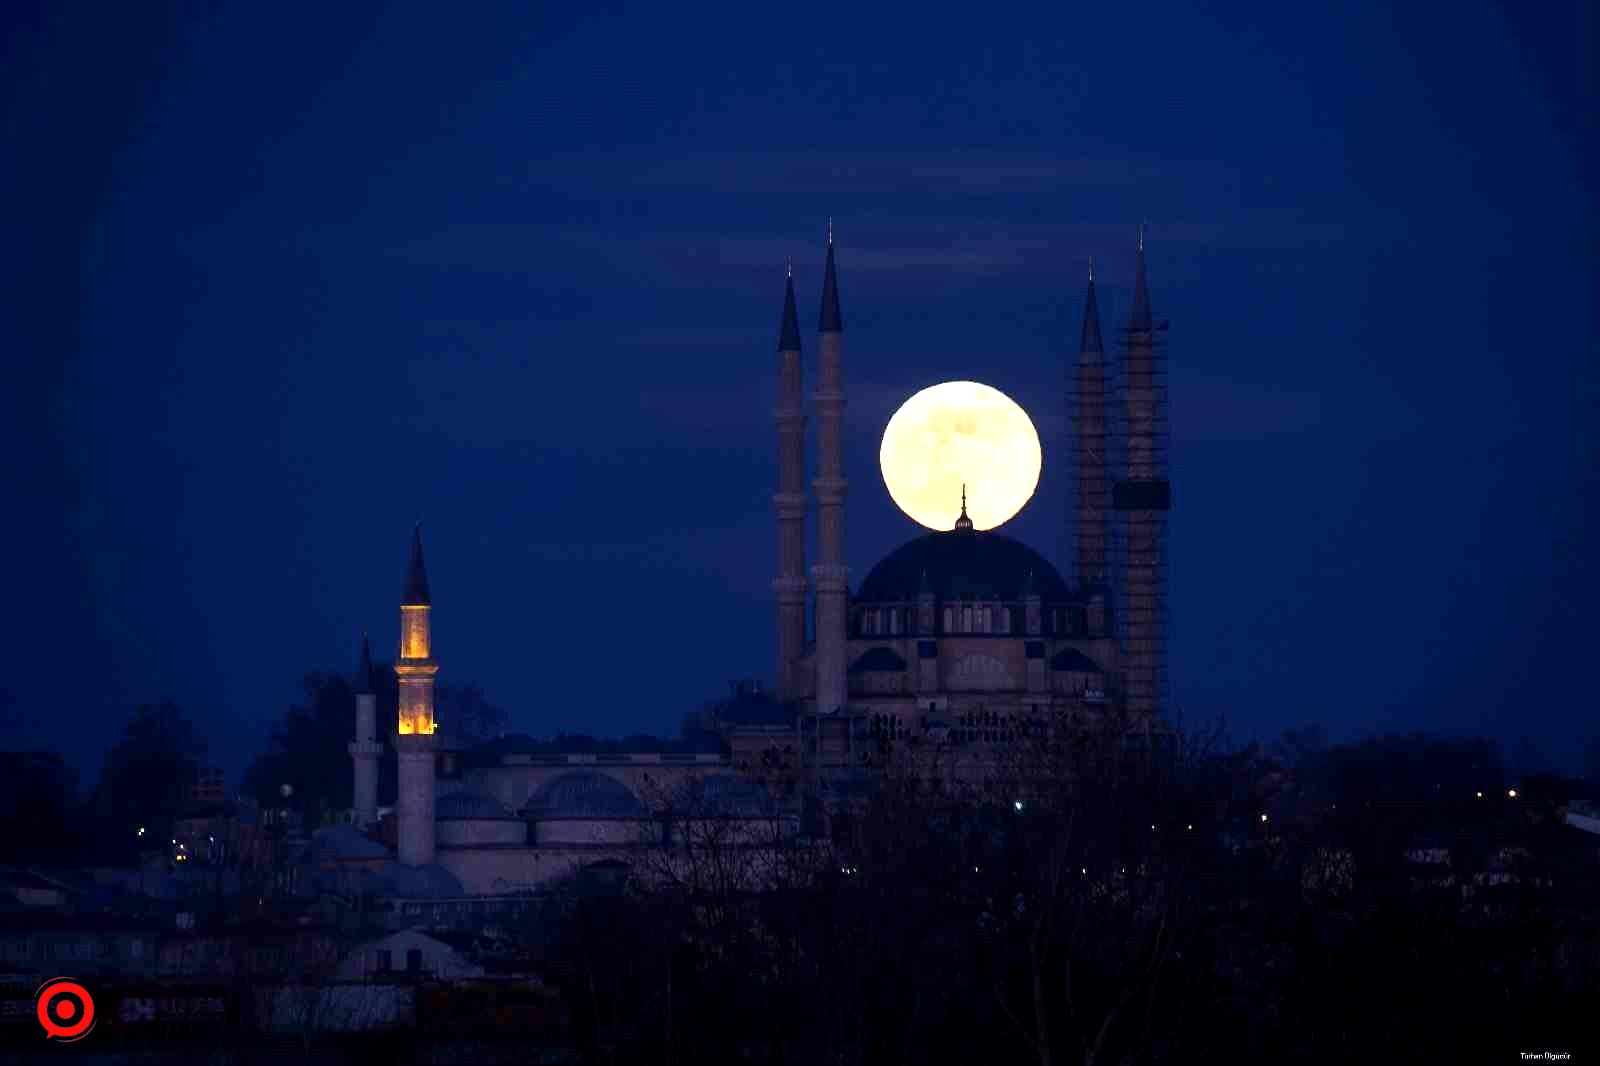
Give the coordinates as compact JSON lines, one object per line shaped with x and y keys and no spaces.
{"x":949,"y":620}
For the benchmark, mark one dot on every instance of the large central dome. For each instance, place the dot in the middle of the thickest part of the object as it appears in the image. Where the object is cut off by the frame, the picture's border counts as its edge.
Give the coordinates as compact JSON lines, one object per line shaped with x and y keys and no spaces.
{"x":962,"y":564}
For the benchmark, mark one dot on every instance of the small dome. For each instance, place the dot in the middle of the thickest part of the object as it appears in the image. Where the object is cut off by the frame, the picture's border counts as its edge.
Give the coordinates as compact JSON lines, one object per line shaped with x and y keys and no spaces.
{"x":344,"y":843}
{"x":418,"y":882}
{"x":465,"y":804}
{"x":962,"y":564}
{"x":585,"y":794}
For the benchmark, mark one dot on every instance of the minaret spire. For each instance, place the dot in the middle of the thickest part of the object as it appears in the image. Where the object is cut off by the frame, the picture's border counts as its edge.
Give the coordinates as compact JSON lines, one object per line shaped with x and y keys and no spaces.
{"x":1139,"y":318}
{"x":1093,"y":532}
{"x":1143,"y":496}
{"x":964,"y":522}
{"x":831,"y":321}
{"x":365,"y":749}
{"x":829,"y":576}
{"x":414,"y":740}
{"x":416,"y":590}
{"x":789,"y":586}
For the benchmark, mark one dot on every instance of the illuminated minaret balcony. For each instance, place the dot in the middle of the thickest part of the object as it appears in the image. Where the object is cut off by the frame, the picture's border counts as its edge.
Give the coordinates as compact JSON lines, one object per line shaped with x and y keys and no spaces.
{"x":415,"y":668}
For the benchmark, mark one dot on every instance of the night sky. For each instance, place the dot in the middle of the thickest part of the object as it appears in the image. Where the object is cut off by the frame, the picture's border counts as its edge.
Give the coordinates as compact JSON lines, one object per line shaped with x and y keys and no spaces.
{"x":287,"y":278}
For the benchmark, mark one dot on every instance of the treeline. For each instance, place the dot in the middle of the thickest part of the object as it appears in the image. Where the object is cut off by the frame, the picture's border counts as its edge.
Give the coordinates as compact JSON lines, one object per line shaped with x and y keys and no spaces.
{"x":1110,"y":904}
{"x":148,"y":775}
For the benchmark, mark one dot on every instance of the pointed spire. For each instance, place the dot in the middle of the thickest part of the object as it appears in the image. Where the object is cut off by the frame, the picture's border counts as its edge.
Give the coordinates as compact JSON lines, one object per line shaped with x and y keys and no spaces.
{"x":365,"y":684}
{"x":963,"y":522}
{"x":789,"y":332}
{"x":1139,"y":318}
{"x":1091,"y":319}
{"x":831,"y":321}
{"x":416,"y":590}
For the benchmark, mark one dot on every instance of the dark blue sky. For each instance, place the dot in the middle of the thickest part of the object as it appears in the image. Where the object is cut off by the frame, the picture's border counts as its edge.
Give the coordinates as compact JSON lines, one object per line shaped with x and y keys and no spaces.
{"x":289,"y":277}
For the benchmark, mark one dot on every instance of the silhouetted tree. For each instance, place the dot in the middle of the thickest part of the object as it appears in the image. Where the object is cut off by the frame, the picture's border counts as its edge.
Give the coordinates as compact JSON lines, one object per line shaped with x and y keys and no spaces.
{"x":41,"y":816}
{"x":146,"y":780}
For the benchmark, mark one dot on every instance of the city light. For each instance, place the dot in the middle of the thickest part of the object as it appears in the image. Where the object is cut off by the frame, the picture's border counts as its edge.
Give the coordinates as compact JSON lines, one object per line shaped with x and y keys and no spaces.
{"x":1017,"y":804}
{"x":1511,"y":792}
{"x":1263,"y":817}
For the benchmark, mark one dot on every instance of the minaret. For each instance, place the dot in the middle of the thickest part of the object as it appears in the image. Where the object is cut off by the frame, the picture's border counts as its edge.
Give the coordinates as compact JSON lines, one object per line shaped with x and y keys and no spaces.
{"x":415,"y":740}
{"x":829,"y":576}
{"x":365,"y":749}
{"x":1144,"y":497}
{"x":1090,"y":425}
{"x":790,"y":500}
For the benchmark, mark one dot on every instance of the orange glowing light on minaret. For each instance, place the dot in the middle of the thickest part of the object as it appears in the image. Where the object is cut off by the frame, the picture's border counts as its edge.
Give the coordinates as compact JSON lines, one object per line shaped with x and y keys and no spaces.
{"x":415,"y":667}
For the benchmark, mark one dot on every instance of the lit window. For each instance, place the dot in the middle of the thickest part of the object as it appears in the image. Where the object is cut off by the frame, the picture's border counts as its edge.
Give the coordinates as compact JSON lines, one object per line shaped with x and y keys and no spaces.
{"x":949,"y":620}
{"x":1005,"y":619}
{"x":966,"y":619}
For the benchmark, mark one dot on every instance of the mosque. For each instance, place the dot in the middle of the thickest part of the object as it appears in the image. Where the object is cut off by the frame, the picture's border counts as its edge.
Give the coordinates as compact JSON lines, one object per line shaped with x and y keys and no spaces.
{"x":964,"y":638}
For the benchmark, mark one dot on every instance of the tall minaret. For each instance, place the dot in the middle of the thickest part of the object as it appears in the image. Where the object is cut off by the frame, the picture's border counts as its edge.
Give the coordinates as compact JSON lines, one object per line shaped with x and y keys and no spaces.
{"x":414,"y":740}
{"x":365,"y":749}
{"x":1090,"y":424}
{"x":790,"y":500}
{"x":829,"y":576}
{"x":1144,"y":497}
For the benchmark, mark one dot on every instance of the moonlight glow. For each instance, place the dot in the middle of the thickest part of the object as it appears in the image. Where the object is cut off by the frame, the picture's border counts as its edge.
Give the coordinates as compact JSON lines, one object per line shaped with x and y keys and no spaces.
{"x":955,"y":433}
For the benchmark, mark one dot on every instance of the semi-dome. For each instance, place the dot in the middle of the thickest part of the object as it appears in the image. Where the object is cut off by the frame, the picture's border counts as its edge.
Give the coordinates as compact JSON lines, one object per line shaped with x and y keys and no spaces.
{"x":585,"y":794}
{"x":962,"y":564}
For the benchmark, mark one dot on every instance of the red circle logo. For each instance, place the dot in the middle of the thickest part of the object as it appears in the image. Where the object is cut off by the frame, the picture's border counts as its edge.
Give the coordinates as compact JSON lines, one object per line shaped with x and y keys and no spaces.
{"x":65,"y":1009}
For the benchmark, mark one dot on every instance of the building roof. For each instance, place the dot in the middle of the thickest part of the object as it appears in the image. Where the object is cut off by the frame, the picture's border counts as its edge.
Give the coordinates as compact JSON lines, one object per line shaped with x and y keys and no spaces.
{"x":468,"y":805}
{"x":1073,"y":660}
{"x":878,"y":660}
{"x":345,"y":843}
{"x":962,"y":564}
{"x":585,"y":794}
{"x":418,"y":882}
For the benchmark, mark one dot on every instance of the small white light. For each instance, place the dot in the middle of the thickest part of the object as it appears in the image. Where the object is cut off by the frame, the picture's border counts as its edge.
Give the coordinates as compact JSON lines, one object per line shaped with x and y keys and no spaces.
{"x":1189,"y":826}
{"x":1480,"y":795}
{"x":1263,"y":817}
{"x":1017,"y":805}
{"x":1511,"y":792}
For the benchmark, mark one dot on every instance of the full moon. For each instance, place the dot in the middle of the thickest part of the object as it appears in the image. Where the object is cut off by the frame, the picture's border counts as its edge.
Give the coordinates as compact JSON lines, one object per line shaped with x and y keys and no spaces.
{"x":960,"y":433}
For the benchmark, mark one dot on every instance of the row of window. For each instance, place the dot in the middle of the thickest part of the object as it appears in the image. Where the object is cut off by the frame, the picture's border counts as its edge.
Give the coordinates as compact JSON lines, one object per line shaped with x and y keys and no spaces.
{"x":384,"y":961}
{"x":971,"y":618}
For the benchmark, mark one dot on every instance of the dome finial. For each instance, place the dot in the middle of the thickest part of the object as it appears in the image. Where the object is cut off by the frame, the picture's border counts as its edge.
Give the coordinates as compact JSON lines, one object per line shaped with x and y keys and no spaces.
{"x":963,"y":522}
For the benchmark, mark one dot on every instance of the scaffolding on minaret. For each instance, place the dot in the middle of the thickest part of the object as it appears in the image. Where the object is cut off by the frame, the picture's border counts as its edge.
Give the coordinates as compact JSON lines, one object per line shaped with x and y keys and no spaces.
{"x":1141,"y":498}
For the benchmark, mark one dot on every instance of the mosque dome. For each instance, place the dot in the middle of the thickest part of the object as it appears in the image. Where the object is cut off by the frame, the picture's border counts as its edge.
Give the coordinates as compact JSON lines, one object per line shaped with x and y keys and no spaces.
{"x":962,"y":563}
{"x":585,"y":794}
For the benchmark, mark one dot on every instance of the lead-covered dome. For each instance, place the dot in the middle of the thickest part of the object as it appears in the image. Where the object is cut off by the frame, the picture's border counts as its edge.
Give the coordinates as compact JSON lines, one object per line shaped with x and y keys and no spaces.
{"x":586,"y":794}
{"x":962,"y":564}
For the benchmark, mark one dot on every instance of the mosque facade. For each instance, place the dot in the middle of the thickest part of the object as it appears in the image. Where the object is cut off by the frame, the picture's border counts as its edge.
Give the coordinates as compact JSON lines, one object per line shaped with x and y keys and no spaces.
{"x":964,"y":639}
